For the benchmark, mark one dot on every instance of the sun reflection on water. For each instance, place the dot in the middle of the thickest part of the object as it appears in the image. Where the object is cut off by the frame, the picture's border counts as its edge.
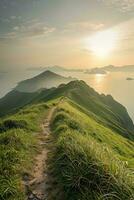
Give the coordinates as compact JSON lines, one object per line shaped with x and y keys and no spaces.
{"x":100,"y":82}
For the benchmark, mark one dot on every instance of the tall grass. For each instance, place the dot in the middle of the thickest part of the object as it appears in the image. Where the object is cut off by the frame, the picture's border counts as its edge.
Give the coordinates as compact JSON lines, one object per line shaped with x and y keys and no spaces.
{"x":18,"y":146}
{"x":85,"y":167}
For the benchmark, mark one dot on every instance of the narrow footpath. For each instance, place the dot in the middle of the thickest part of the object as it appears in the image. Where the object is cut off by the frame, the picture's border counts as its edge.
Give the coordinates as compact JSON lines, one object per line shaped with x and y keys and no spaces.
{"x":38,"y":186}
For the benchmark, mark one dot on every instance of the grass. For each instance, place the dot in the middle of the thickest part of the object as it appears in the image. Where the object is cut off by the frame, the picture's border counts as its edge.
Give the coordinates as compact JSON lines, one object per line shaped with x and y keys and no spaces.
{"x":92,"y":161}
{"x":18,"y":147}
{"x":93,"y":157}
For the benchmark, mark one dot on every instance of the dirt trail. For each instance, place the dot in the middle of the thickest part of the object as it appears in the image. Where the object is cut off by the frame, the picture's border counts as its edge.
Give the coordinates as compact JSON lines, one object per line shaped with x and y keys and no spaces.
{"x":37,"y":186}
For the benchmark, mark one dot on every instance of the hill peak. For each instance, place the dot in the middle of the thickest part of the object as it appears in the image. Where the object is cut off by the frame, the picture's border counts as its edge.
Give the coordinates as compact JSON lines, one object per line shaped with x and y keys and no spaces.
{"x":79,"y":84}
{"x":46,"y":79}
{"x":48,"y":72}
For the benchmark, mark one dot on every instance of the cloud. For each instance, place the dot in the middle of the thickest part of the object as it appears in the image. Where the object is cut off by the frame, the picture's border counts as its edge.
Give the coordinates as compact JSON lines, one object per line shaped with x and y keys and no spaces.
{"x":16,"y":28}
{"x":28,"y":30}
{"x":10,"y":19}
{"x":7,"y":37}
{"x":83,"y":27}
{"x":122,"y":5}
{"x":13,"y":17}
{"x":33,"y":30}
{"x":4,"y":20}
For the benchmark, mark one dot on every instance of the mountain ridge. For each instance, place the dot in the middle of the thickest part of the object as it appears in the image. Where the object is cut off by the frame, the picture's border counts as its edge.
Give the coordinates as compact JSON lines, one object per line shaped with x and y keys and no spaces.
{"x":102,"y":107}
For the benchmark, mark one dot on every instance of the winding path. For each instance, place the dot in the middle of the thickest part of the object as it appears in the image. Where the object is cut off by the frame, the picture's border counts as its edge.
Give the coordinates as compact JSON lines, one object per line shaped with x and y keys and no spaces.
{"x":37,"y":186}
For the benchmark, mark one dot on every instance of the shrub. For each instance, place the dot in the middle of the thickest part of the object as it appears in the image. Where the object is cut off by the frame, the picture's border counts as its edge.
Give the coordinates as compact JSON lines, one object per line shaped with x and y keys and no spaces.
{"x":60,"y":117}
{"x":10,"y":140}
{"x":74,"y":125}
{"x":61,"y":129}
{"x":12,"y":124}
{"x":9,"y":124}
{"x":2,"y":128}
{"x":45,"y":106}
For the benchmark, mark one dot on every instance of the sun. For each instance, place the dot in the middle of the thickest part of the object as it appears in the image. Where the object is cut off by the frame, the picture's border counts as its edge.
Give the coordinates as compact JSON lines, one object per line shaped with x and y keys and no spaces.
{"x":103,"y":43}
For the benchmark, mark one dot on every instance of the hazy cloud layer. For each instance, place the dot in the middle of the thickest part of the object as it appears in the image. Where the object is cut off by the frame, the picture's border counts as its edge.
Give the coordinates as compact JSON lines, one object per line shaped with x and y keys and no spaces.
{"x":28,"y":30}
{"x":83,"y":26}
{"x":122,"y":5}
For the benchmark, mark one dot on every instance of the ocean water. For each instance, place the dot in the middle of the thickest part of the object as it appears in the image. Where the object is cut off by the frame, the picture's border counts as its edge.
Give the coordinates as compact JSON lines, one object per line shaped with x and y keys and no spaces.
{"x":112,"y":83}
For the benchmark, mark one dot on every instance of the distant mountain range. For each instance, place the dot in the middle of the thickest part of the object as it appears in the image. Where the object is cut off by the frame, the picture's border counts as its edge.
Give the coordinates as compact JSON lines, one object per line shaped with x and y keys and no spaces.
{"x":47,"y":79}
{"x":125,"y":68}
{"x":110,"y":68}
{"x":95,"y":70}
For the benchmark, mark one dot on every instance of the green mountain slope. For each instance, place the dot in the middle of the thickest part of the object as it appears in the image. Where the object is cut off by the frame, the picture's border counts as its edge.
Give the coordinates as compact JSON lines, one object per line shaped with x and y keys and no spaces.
{"x":97,"y":162}
{"x":14,"y":100}
{"x":103,"y":109}
{"x":93,"y":156}
{"x":46,"y":79}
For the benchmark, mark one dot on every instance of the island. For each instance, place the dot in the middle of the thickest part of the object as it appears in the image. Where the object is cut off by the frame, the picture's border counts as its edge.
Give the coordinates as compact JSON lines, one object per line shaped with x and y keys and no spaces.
{"x":129,"y":79}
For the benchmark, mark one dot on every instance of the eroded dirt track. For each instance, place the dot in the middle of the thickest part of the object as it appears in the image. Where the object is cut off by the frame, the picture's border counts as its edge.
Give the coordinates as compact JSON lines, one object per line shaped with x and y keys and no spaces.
{"x":38,"y":185}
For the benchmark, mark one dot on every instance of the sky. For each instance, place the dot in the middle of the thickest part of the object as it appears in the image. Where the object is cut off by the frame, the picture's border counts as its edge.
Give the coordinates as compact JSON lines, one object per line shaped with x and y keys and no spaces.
{"x":70,"y":33}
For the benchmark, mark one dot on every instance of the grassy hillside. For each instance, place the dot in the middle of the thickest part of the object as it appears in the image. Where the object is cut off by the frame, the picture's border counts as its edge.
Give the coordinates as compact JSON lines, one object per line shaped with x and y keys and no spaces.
{"x":94,"y":143}
{"x":104,"y":109}
{"x":96,"y":162}
{"x":16,"y":100}
{"x":19,"y":135}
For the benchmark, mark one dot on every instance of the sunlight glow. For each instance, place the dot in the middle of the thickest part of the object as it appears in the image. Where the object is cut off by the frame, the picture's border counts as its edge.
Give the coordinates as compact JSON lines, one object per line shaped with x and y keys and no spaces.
{"x":102,"y":43}
{"x":100,"y":82}
{"x":99,"y":78}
